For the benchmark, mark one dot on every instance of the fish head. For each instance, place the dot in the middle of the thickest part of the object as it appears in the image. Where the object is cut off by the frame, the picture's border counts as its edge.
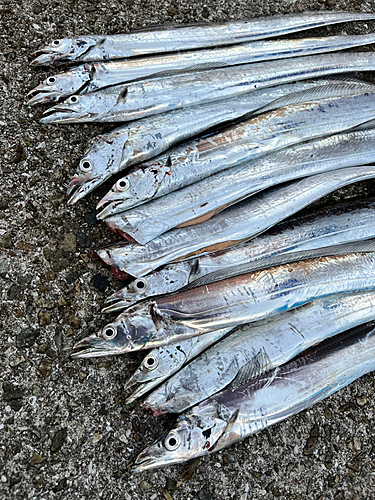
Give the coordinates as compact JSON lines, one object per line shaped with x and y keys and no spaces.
{"x":138,"y":186}
{"x":130,"y":331}
{"x":192,"y":437}
{"x":167,"y":280}
{"x":159,"y":364}
{"x":114,"y":254}
{"x":81,"y":108}
{"x":63,"y":50}
{"x":106,"y":155}
{"x":57,"y":87}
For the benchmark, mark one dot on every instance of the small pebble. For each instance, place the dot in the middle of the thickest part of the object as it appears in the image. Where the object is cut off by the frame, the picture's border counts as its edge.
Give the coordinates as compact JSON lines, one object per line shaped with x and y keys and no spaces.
{"x":90,"y":217}
{"x":144,"y":485}
{"x":362,"y":400}
{"x":58,"y":440}
{"x":36,"y":459}
{"x":45,"y":367}
{"x":96,"y":438}
{"x":4,"y":266}
{"x":44,"y":318}
{"x":74,"y":321}
{"x":69,"y":243}
{"x":37,"y":9}
{"x":100,"y":282}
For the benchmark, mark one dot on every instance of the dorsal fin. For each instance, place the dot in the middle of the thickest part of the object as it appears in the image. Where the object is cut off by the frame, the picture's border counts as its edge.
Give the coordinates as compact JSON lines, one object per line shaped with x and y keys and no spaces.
{"x":367,"y":246}
{"x":318,"y":93}
{"x":254,"y":368}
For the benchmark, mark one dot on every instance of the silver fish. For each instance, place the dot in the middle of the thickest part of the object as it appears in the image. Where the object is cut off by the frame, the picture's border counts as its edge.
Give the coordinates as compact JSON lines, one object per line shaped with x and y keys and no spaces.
{"x":252,"y":350}
{"x":230,"y":416}
{"x":231,"y":302}
{"x":87,"y":48}
{"x":95,"y":76}
{"x":235,"y":224}
{"x":193,"y":161}
{"x":198,"y":202}
{"x":149,"y":97}
{"x":330,"y":227}
{"x":110,"y":153}
{"x":164,"y":361}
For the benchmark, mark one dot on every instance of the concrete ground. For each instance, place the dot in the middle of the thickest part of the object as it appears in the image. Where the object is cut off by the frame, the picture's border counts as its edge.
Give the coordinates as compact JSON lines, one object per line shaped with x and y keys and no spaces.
{"x":65,"y":431}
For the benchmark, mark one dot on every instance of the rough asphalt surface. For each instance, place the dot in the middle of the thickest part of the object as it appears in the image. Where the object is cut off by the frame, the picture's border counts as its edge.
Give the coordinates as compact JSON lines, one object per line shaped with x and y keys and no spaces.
{"x":65,"y":431}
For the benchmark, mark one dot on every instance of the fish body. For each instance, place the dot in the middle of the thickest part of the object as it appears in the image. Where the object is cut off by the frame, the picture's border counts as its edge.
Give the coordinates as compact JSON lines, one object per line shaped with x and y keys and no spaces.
{"x":110,"y":153}
{"x":238,"y":223}
{"x":195,"y":160}
{"x":149,"y":97}
{"x":335,"y":226}
{"x":91,"y":77}
{"x":164,"y":361}
{"x":198,"y":202}
{"x":231,"y":302}
{"x":254,"y":349}
{"x":232,"y":415}
{"x":103,"y":47}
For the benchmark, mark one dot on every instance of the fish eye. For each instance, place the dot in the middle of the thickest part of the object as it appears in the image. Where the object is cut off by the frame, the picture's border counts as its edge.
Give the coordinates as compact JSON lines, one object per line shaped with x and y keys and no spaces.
{"x":150,"y":362}
{"x":73,"y":99}
{"x":56,"y":42}
{"x":140,"y":285}
{"x":85,"y":165}
{"x":51,"y":80}
{"x":122,"y":185}
{"x":109,"y":332}
{"x":172,"y":441}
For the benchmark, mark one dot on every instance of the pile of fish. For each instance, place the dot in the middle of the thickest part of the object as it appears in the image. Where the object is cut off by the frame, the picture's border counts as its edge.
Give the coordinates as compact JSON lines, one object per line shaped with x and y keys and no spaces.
{"x":252,"y":313}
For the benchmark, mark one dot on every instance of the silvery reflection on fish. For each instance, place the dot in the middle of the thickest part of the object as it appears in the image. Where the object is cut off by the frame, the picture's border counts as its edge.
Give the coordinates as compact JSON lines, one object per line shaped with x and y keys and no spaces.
{"x":254,"y":349}
{"x":110,"y":153}
{"x":163,"y":362}
{"x":233,"y":301}
{"x":193,"y":161}
{"x":92,"y":77}
{"x":231,"y":226}
{"x":334,"y":226}
{"x":198,"y":202}
{"x":149,"y":97}
{"x":230,"y":416}
{"x":86,"y":48}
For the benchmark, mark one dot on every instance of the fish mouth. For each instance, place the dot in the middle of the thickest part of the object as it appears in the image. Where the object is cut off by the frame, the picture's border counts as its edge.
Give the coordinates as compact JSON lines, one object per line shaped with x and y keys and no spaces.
{"x":46,"y":56}
{"x":141,"y":389}
{"x":41,"y":95}
{"x":80,"y":186}
{"x":116,"y":302}
{"x":109,"y":208}
{"x":154,"y":456}
{"x":59,"y":114}
{"x":111,"y":201}
{"x":92,"y":347}
{"x":144,"y":464}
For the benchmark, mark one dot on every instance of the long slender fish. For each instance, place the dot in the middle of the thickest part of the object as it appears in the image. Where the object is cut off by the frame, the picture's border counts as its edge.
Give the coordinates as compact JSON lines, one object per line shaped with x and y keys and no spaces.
{"x":87,"y":48}
{"x":228,"y":228}
{"x":231,"y":302}
{"x":334,"y":226}
{"x":110,"y":153}
{"x":199,"y":202}
{"x":193,"y":161}
{"x":95,"y":76}
{"x":137,"y":100}
{"x":230,"y":416}
{"x":164,"y":361}
{"x":252,"y":350}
